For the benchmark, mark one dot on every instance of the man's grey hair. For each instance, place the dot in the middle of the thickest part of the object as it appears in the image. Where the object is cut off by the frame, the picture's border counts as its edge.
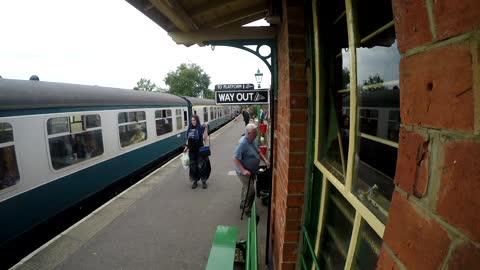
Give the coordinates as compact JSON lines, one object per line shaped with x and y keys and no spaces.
{"x":250,"y":127}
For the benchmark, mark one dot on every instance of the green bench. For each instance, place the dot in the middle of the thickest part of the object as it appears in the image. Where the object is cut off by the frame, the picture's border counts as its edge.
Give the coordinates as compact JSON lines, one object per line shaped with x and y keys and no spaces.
{"x":222,"y":254}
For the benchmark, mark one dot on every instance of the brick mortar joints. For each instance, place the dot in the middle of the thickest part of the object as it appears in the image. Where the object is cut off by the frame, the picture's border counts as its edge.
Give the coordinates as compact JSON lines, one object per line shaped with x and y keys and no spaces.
{"x":431,"y":19}
{"x":394,"y":257}
{"x":455,"y":243}
{"x":439,"y":44}
{"x":476,"y":84}
{"x":451,"y":134}
{"x":450,"y":229}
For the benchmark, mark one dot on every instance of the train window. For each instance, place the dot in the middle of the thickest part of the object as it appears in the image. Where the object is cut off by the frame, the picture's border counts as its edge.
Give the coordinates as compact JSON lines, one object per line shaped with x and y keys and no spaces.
{"x":163,"y":121}
{"x":211,"y":113}
{"x":205,"y":114}
{"x":185,"y":117}
{"x":74,"y":139}
{"x":178,"y":116}
{"x":132,"y":127}
{"x":9,"y":175}
{"x":58,"y":125}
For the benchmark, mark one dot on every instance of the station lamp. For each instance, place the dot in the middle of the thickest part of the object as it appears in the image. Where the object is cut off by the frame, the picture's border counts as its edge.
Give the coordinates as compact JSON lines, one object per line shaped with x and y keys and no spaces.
{"x":258,"y":77}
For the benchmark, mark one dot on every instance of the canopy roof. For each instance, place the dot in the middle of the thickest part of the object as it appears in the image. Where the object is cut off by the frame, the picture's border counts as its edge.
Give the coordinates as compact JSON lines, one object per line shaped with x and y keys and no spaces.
{"x":191,"y":22}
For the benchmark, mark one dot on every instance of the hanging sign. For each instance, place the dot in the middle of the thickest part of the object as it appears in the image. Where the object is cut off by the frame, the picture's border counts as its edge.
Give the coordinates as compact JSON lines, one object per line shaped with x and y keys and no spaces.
{"x":259,"y":96}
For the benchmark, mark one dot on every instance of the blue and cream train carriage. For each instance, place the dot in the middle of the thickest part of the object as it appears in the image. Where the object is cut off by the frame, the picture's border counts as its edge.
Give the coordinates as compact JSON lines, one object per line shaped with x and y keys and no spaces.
{"x":61,"y":143}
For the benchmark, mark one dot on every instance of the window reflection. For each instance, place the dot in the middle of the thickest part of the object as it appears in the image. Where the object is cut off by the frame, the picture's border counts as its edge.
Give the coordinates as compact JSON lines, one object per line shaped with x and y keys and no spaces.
{"x":163,"y":121}
{"x":74,"y":148}
{"x":378,"y":120}
{"x":205,"y":114}
{"x":368,"y":248}
{"x":9,"y":175}
{"x":73,"y":139}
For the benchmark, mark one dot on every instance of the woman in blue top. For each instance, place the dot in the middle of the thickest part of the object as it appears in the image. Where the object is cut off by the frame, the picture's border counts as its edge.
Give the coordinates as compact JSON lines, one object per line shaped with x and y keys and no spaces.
{"x":197,"y":136}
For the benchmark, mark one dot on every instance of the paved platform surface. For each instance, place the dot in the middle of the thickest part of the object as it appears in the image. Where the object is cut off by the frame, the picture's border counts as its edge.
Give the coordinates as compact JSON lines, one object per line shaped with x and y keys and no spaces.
{"x":160,"y":223}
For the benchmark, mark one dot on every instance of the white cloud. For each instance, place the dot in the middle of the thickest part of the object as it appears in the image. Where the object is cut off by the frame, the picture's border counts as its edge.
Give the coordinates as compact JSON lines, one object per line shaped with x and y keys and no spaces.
{"x":107,"y":43}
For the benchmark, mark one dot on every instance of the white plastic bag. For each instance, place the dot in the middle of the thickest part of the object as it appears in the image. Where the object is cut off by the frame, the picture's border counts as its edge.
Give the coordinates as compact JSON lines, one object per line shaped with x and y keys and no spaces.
{"x":185,"y":161}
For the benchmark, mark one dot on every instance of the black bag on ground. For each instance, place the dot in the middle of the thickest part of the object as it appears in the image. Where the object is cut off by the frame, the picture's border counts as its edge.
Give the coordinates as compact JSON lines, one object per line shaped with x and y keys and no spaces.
{"x":205,"y":168}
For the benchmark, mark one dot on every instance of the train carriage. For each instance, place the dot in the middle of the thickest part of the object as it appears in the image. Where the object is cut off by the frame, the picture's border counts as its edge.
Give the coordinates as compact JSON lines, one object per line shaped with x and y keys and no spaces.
{"x":61,"y":143}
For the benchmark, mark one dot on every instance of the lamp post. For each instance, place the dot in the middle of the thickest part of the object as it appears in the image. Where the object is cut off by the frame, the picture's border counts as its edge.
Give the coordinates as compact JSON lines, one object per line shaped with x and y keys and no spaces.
{"x":258,"y":77}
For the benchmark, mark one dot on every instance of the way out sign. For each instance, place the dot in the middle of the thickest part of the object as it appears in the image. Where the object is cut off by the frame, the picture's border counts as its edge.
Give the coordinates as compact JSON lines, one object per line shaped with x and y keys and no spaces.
{"x":260,"y":96}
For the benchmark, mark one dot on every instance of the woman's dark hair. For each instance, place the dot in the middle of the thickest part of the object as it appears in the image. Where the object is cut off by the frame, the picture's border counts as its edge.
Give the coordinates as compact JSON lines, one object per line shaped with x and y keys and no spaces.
{"x":197,"y":119}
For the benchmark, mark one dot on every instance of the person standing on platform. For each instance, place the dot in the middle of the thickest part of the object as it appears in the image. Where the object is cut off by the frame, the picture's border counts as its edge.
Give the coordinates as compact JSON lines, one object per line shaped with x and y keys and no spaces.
{"x":247,"y":160}
{"x":246,"y":116}
{"x":199,"y":165}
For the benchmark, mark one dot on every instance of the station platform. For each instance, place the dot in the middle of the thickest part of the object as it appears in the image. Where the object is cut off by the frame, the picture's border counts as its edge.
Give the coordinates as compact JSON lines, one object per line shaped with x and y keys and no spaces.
{"x":160,"y":222}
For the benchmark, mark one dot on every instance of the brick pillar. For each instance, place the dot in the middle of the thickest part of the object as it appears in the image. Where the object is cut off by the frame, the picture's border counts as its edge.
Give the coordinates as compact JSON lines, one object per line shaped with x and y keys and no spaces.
{"x":290,"y":137}
{"x":434,"y":221}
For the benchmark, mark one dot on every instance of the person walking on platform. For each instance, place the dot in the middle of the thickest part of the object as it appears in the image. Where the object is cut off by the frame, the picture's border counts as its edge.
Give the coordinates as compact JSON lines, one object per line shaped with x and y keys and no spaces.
{"x":197,"y":136}
{"x":247,"y":160}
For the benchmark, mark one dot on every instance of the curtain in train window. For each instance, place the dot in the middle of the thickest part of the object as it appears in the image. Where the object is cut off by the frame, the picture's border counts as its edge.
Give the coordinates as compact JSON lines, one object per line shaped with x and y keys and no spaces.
{"x":163,"y":121}
{"x":9,"y":175}
{"x":378,"y":107}
{"x":73,"y":139}
{"x":132,"y":127}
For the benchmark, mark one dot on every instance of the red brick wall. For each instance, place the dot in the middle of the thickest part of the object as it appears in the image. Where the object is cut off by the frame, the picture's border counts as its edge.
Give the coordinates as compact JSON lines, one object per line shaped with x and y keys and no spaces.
{"x":434,"y":221}
{"x":290,"y":137}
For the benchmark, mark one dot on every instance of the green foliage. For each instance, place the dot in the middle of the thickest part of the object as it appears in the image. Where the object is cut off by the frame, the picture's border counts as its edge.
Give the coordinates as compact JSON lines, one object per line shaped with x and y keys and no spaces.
{"x":373,"y":80}
{"x":188,"y":80}
{"x":145,"y":85}
{"x":209,"y":94}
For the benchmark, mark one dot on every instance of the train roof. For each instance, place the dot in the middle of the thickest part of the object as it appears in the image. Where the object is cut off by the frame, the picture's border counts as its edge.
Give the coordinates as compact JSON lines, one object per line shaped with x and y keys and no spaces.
{"x":383,"y":99}
{"x":22,"y":94}
{"x":200,"y":101}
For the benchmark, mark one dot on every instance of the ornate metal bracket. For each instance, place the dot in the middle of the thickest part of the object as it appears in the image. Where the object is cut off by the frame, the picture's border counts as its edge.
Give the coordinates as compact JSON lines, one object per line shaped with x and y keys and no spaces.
{"x":270,"y":60}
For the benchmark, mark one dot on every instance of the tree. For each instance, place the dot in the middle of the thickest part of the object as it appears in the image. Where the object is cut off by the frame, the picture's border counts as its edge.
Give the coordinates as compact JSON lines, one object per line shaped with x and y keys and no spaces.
{"x":375,"y":79}
{"x":188,"y":80}
{"x":209,"y":94}
{"x":145,"y":85}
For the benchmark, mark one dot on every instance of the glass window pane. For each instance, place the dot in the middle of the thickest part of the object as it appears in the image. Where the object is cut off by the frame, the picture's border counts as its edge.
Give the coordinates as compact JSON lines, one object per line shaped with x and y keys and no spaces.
{"x":378,"y":109}
{"x":159,"y":114}
{"x":179,"y":122}
{"x":93,"y":121}
{"x":76,"y":124}
{"x":368,"y":248}
{"x":74,"y":148}
{"x":57,"y":125}
{"x":9,"y":175}
{"x":132,"y":134}
{"x":164,"y":126}
{"x":132,"y":116}
{"x":337,"y":231}
{"x":6,"y":133}
{"x":141,"y":116}
{"x":205,"y":114}
{"x":122,"y":117}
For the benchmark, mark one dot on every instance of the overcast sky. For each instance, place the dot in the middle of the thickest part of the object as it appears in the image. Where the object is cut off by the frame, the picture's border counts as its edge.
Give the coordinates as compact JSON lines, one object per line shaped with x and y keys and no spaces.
{"x":106,"y":43}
